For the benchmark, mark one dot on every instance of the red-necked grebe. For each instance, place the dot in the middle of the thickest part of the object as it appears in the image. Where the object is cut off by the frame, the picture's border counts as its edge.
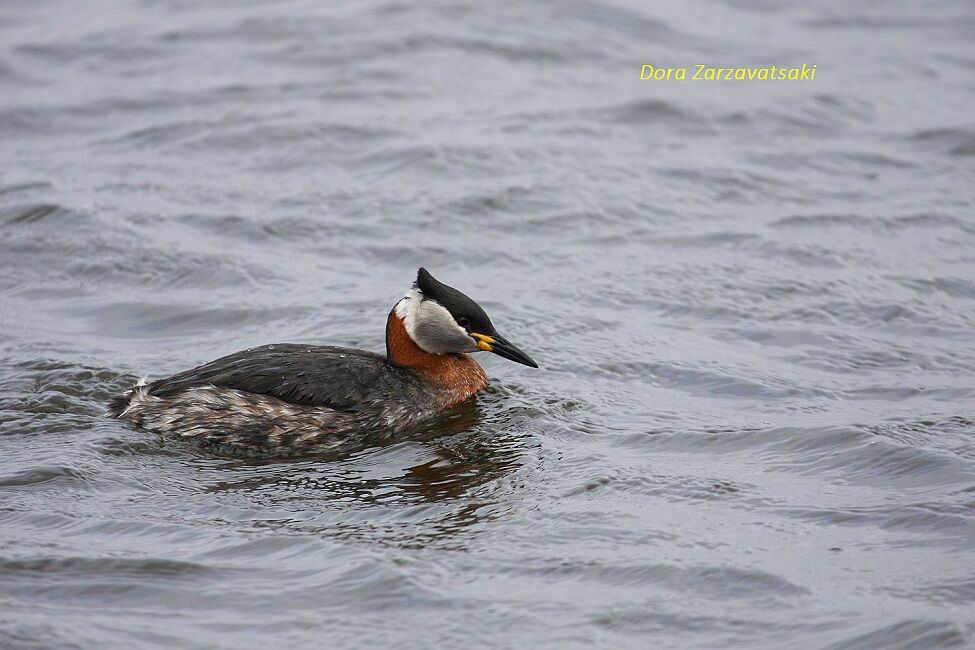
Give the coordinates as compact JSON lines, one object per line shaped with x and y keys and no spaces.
{"x":286,"y":399}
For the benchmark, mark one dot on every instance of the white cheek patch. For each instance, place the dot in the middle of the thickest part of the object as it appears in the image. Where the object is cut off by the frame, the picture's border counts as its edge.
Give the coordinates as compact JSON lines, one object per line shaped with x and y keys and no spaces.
{"x":430,"y":325}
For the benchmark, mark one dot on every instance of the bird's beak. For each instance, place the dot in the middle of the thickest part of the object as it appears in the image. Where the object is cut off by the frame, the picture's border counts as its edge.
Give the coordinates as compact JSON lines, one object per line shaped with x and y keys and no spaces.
{"x":502,"y":347}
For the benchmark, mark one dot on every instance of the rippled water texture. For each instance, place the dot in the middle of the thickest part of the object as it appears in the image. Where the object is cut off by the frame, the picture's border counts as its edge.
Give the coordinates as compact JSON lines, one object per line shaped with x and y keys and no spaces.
{"x":753,"y":305}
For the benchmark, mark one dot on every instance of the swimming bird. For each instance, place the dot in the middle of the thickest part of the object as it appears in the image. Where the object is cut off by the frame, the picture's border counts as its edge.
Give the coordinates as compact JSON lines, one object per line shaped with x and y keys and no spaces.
{"x":287,"y":399}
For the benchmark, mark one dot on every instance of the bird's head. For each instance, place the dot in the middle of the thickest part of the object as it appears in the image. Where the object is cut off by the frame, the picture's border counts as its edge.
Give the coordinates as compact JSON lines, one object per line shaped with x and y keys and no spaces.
{"x":442,"y":320}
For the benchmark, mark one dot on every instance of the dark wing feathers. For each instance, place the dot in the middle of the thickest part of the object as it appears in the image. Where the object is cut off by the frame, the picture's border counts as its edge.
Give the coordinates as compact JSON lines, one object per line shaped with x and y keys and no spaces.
{"x":339,"y":378}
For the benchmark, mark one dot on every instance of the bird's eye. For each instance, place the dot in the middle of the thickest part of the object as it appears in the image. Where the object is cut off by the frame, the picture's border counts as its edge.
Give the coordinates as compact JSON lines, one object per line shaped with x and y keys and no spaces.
{"x":464,"y":322}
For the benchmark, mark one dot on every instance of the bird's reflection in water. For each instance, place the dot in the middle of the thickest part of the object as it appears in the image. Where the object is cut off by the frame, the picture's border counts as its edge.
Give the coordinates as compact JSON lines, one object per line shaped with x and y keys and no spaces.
{"x":406,"y":493}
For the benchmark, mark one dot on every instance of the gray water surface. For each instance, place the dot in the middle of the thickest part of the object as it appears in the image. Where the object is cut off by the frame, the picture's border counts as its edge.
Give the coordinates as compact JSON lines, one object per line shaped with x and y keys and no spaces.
{"x":753,"y":305}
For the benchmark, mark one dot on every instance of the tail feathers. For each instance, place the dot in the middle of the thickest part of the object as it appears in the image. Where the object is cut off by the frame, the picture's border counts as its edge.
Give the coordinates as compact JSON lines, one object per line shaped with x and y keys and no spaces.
{"x":119,"y":404}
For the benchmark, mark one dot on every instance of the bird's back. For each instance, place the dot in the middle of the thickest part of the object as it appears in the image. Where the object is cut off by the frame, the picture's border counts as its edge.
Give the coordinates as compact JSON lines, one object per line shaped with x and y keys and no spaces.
{"x":344,"y":379}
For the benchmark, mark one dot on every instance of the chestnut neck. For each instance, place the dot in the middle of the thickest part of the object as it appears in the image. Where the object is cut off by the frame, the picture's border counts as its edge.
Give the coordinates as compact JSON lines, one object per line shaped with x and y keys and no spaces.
{"x":456,"y":376}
